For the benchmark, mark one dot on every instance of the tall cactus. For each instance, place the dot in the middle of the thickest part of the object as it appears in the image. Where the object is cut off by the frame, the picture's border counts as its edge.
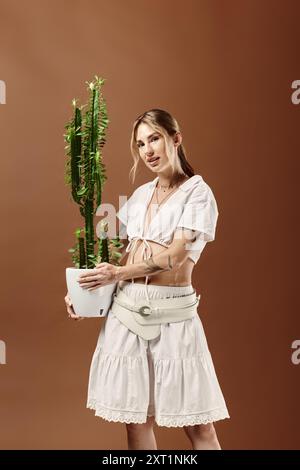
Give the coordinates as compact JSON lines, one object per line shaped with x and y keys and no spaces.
{"x":85,"y":173}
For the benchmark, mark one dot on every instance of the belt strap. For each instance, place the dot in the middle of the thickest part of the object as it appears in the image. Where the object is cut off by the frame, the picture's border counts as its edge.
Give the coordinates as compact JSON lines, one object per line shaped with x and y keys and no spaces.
{"x":156,"y":311}
{"x":145,"y":320}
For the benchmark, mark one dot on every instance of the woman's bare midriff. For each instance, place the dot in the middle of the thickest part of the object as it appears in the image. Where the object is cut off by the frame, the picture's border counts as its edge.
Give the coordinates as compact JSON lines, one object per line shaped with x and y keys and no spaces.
{"x":182,"y":277}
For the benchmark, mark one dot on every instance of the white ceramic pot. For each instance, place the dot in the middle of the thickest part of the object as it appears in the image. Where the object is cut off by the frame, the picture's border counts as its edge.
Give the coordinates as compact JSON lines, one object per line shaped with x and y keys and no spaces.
{"x":95,"y":303}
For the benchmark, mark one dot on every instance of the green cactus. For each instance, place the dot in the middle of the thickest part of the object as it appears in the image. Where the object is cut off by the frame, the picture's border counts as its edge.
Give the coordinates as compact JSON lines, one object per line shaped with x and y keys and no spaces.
{"x":85,"y":174}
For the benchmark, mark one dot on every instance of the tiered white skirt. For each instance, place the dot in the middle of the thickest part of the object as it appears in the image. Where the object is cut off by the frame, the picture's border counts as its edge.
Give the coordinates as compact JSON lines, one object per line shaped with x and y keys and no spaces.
{"x":171,"y":377}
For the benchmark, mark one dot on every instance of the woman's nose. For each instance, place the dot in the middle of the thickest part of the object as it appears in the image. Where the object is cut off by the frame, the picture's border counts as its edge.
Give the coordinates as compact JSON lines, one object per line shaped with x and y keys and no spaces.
{"x":148,"y":150}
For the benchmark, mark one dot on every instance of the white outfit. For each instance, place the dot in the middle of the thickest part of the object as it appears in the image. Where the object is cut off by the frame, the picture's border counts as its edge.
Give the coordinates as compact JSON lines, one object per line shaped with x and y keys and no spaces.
{"x":171,"y":377}
{"x":192,"y":206}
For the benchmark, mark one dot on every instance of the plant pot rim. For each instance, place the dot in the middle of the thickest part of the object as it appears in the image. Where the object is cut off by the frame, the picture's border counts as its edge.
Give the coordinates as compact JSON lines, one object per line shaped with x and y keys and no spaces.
{"x":72,"y":267}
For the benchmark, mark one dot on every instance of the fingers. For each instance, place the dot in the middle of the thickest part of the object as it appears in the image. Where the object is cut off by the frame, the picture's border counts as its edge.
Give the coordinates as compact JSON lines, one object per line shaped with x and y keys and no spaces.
{"x":90,"y":284}
{"x":97,"y":282}
{"x":95,"y":275}
{"x":101,"y":265}
{"x":94,"y":288}
{"x":71,"y":313}
{"x":90,"y":281}
{"x":68,"y":300}
{"x":69,"y":305}
{"x":75,"y":317}
{"x":101,"y":278}
{"x":87,"y":282}
{"x":91,"y":275}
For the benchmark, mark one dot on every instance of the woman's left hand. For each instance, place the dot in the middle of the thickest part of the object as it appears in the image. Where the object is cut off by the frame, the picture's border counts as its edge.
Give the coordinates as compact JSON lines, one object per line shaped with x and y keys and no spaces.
{"x":101,"y":275}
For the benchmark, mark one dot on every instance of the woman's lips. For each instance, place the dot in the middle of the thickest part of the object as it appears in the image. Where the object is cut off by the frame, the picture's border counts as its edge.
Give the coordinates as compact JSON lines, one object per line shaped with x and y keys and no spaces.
{"x":154,"y":162}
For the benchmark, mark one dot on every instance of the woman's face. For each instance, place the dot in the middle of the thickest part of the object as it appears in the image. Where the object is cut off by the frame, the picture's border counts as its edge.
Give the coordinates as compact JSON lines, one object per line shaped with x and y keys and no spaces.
{"x":151,"y":145}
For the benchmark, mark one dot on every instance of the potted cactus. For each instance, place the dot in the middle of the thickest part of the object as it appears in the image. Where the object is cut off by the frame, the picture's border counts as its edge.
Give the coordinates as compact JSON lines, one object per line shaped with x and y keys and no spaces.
{"x":85,"y":174}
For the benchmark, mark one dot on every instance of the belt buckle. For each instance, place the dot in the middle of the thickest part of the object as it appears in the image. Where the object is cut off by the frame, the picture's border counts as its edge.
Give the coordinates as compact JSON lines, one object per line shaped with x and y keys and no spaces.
{"x":142,"y":310}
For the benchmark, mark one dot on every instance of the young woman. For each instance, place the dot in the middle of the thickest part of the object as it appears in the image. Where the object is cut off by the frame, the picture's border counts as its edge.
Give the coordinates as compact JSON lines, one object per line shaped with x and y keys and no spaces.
{"x":152,"y":362}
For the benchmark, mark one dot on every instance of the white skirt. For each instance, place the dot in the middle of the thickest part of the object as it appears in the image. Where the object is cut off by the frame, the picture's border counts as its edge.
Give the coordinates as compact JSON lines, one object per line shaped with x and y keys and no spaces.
{"x":171,"y":377}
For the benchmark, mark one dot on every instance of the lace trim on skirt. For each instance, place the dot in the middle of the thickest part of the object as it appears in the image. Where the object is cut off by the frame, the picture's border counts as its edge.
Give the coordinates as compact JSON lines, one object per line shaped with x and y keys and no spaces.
{"x":161,"y":420}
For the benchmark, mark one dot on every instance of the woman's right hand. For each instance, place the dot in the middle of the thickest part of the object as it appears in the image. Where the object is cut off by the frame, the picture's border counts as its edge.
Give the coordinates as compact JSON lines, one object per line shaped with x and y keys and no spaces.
{"x":71,"y":313}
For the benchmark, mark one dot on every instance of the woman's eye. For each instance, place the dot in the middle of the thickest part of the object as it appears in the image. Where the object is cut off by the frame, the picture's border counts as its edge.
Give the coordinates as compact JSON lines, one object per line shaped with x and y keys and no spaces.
{"x":153,"y":138}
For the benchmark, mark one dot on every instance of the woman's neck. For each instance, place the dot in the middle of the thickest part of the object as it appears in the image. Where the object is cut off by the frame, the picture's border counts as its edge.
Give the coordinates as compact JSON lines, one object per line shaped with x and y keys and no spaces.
{"x":166,"y":182}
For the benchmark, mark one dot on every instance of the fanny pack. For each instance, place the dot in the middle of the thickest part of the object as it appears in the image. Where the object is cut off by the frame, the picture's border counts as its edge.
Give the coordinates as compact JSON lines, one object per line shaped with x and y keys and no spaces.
{"x":144,"y":318}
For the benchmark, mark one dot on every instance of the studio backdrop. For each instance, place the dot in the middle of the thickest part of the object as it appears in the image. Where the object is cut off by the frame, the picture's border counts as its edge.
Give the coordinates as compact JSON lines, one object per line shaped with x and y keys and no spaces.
{"x":229,"y":72}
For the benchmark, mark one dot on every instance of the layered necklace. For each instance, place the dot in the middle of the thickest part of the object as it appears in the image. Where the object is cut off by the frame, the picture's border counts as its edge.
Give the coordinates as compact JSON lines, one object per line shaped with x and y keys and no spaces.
{"x":158,"y":203}
{"x":164,"y":188}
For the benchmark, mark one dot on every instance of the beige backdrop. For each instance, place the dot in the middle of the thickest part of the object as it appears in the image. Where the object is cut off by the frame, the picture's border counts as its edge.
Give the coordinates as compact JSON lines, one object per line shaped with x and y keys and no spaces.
{"x":224,"y":69}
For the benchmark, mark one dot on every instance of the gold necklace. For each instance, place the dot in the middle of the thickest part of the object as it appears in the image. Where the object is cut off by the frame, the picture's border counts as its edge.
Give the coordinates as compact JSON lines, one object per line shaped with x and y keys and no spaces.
{"x":164,"y":188}
{"x":156,"y":195}
{"x":156,"y":207}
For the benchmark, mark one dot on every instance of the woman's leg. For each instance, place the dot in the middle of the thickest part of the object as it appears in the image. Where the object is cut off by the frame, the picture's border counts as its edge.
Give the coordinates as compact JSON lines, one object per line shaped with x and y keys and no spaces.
{"x":141,"y":436}
{"x":203,"y":437}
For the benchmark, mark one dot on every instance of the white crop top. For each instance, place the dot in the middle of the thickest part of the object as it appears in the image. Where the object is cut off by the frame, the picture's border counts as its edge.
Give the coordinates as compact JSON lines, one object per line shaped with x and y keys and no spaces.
{"x":192,"y":206}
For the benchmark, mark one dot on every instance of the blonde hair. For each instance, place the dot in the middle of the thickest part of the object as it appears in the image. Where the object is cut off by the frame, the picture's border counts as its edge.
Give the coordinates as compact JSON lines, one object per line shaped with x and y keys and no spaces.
{"x":162,"y":122}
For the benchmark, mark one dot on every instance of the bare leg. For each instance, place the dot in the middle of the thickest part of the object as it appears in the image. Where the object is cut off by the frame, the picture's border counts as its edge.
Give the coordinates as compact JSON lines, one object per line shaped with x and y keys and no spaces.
{"x":203,"y":437}
{"x":141,"y":436}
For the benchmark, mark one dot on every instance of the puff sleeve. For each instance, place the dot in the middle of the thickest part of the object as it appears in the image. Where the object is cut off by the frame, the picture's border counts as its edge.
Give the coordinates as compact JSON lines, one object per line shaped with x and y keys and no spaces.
{"x":123,"y":213}
{"x":127,"y":211}
{"x":123,"y":216}
{"x":200,"y":213}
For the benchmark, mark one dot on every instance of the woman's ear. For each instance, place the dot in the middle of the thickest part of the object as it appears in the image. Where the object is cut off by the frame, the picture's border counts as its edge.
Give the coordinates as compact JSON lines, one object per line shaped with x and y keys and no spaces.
{"x":177,"y":139}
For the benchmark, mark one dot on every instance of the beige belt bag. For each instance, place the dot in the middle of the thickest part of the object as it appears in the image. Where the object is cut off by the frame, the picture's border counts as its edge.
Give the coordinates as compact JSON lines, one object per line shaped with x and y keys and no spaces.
{"x":144,"y":318}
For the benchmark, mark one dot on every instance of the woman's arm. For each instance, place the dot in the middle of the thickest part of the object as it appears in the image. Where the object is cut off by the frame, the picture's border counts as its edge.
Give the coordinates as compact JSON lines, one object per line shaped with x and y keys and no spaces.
{"x":170,"y":259}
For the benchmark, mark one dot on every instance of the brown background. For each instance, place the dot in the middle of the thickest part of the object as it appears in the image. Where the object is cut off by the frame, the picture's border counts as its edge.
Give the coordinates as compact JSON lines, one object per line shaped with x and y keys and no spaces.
{"x":224,"y":69}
